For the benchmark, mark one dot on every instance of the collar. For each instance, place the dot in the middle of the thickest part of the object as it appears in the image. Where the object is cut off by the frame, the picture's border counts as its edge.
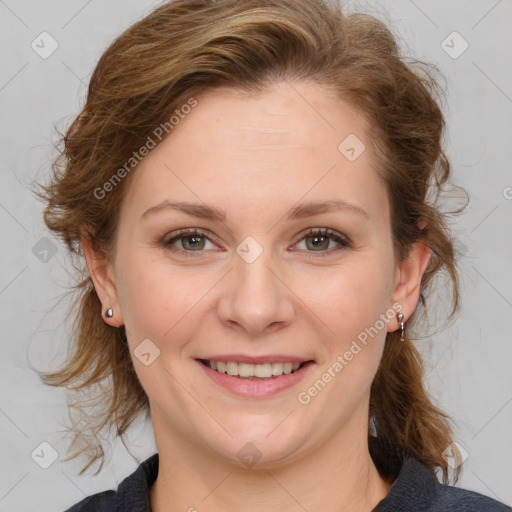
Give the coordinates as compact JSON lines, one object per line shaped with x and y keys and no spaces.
{"x":413,"y":482}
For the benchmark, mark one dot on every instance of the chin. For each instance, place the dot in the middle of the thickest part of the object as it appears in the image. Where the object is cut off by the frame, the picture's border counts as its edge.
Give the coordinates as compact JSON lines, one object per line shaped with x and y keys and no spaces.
{"x":264,"y":444}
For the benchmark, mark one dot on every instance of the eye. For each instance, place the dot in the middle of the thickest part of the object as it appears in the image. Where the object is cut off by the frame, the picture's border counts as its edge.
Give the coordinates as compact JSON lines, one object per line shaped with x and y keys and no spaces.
{"x":322,"y":240}
{"x":193,"y":241}
{"x":188,"y":241}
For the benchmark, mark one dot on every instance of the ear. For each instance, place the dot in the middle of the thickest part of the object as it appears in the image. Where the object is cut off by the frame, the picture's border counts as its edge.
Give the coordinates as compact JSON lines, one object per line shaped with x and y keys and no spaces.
{"x":408,"y":281}
{"x":102,"y":276}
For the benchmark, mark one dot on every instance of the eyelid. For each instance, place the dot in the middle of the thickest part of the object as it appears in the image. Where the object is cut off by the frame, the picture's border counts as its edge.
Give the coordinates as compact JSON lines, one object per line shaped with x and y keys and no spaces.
{"x":168,"y":241}
{"x":338,"y":237}
{"x":188,"y":231}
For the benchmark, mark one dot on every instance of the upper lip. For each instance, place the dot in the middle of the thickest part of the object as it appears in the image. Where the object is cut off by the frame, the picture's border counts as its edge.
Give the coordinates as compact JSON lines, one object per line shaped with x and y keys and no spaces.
{"x":270,"y":358}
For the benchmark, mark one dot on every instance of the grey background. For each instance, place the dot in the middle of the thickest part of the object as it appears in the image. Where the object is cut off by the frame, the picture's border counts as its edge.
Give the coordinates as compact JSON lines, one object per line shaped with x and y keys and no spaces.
{"x":467,"y":364}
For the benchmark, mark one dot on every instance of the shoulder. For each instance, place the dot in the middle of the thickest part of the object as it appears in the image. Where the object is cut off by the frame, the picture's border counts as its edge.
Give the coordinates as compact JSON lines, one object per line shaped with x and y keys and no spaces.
{"x":101,"y":502}
{"x":131,"y":495}
{"x":462,"y":500}
{"x":416,"y":488}
{"x":432,"y":496}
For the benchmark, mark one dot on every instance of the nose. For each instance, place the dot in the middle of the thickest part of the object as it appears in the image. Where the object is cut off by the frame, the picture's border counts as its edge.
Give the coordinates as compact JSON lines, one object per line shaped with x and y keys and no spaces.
{"x":256,"y":299}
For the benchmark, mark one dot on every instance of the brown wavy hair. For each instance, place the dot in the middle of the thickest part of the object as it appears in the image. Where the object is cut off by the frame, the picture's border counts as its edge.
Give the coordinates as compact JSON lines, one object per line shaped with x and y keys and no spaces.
{"x":151,"y":70}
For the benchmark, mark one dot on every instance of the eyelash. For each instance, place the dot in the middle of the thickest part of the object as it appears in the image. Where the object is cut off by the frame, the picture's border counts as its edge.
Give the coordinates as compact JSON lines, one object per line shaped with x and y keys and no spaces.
{"x":324,"y":232}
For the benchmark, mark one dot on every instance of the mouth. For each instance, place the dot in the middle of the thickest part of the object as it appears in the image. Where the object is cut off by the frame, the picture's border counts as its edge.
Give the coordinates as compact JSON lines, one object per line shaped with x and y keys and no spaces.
{"x":255,"y":380}
{"x":248,"y":371}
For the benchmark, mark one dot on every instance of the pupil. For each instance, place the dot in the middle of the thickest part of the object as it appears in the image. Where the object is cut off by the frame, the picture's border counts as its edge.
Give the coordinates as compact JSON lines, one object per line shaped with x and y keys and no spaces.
{"x":319,"y":241}
{"x":193,"y":242}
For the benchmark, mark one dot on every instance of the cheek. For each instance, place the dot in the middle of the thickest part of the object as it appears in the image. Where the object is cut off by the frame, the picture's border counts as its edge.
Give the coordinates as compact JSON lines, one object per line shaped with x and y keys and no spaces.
{"x":158,"y":299}
{"x":352,"y":302}
{"x":150,"y":299}
{"x":349,"y":297}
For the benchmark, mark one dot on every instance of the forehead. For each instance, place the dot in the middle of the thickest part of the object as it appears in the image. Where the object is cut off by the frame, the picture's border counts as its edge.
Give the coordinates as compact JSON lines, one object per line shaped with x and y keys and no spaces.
{"x":265,"y":150}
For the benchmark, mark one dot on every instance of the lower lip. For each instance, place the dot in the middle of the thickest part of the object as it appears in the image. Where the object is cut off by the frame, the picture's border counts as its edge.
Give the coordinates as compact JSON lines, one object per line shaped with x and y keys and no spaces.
{"x":257,"y":388}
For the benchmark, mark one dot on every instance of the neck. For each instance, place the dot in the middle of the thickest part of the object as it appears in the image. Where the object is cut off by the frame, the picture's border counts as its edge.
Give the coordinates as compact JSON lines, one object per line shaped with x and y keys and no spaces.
{"x":339,"y":475}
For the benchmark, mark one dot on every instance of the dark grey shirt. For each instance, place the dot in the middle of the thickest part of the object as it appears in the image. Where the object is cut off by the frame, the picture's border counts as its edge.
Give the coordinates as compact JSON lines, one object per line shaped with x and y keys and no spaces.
{"x":415,"y":488}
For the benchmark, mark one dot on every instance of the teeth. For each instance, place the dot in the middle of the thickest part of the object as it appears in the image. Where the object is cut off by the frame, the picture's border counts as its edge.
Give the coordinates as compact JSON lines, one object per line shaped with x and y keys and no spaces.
{"x":265,"y":370}
{"x":245,"y":369}
{"x":231,"y":368}
{"x":262,"y":370}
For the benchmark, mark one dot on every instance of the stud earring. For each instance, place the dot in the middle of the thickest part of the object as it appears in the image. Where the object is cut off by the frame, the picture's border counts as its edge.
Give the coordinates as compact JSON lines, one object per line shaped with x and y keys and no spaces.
{"x":400,"y":318}
{"x":109,"y":313}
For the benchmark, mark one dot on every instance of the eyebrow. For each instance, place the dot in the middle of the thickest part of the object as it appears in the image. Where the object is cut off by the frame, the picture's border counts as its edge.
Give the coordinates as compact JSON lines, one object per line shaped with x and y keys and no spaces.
{"x":300,"y":211}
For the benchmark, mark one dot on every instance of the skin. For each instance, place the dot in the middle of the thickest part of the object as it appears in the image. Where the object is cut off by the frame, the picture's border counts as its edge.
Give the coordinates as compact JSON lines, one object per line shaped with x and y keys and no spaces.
{"x":256,"y":157}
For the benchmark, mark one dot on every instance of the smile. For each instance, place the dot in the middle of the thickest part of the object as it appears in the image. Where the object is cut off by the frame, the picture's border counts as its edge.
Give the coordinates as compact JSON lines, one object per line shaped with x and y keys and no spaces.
{"x":246,"y":370}
{"x":248,"y":380}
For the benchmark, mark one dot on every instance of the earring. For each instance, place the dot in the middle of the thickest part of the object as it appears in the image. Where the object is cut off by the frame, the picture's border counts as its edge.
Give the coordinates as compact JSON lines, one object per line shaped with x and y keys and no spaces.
{"x":109,"y":313}
{"x":400,"y":318}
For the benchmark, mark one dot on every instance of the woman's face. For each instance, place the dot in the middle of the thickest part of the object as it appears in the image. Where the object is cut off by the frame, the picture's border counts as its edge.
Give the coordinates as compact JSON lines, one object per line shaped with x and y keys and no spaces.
{"x":256,"y":181}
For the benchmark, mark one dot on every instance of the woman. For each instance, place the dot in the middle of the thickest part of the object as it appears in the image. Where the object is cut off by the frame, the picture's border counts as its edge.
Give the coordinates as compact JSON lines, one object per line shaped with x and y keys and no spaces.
{"x":253,"y":188}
